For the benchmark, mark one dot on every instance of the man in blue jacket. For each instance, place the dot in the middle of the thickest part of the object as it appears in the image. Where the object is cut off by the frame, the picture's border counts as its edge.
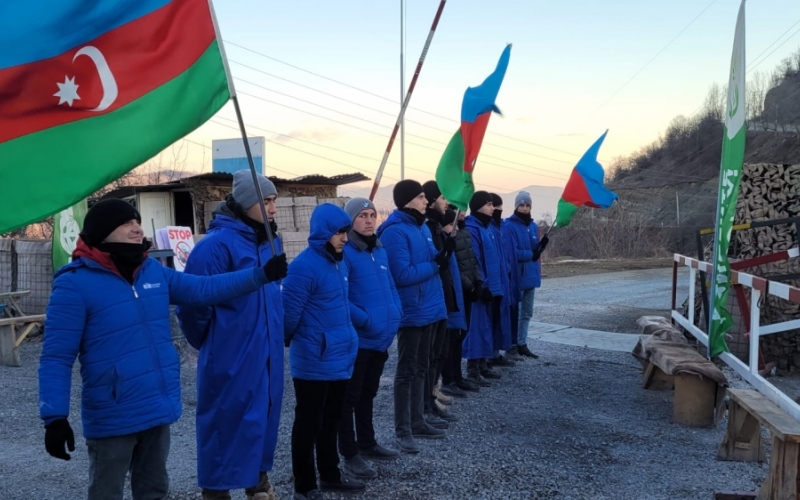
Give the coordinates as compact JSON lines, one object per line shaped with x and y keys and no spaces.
{"x":414,"y":263}
{"x":478,"y":346}
{"x":375,"y":311}
{"x":322,"y":352}
{"x":502,"y":308}
{"x":522,"y":238}
{"x":110,"y":308}
{"x":240,"y":365}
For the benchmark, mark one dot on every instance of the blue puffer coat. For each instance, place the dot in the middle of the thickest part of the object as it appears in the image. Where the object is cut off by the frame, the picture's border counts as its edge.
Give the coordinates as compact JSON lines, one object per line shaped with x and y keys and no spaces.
{"x":374,"y":303}
{"x":411,"y":253}
{"x":521,"y":238}
{"x":511,"y":296}
{"x":240,"y":365}
{"x":479,"y":342}
{"x":122,"y":336}
{"x":324,"y":343}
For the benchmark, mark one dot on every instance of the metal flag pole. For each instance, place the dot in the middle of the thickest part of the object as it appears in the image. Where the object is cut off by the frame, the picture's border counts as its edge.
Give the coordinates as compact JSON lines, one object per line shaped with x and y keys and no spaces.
{"x":406,"y":100}
{"x":247,"y":151}
{"x":402,"y":91}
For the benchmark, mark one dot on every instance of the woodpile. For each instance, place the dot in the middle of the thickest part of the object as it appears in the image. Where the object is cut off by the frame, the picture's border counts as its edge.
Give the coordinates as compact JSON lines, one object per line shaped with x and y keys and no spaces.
{"x":768,"y":192}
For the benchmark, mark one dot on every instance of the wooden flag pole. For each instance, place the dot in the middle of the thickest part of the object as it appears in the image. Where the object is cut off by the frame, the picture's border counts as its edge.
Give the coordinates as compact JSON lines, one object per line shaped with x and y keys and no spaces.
{"x":407,"y":99}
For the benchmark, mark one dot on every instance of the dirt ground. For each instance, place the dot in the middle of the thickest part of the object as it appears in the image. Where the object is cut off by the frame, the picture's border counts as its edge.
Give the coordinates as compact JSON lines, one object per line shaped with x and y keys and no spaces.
{"x":566,"y":266}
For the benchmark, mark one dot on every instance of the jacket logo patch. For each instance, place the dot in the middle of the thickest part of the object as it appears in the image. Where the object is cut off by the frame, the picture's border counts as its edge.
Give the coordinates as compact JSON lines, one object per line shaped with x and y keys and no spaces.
{"x":148,"y":286}
{"x":384,"y":267}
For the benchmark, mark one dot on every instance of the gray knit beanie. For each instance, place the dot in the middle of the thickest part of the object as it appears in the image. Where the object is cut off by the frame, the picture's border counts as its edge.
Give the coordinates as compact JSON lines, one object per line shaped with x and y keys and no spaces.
{"x":522,"y":197}
{"x":244,"y":191}
{"x":357,"y":205}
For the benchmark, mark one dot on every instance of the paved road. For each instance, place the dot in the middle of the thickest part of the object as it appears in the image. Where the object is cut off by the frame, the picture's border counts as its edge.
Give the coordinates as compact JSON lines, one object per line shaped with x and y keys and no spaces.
{"x":609,"y":302}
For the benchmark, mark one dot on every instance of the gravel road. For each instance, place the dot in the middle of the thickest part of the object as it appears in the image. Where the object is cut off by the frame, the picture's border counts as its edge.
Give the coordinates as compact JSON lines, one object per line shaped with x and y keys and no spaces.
{"x":573,"y":425}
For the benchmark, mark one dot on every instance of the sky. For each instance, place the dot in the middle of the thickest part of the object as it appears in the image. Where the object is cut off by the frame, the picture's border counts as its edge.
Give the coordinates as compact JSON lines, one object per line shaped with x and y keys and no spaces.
{"x":321,"y":79}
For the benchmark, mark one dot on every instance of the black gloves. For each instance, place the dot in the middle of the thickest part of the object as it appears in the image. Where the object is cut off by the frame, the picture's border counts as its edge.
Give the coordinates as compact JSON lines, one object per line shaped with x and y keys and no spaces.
{"x":486,"y":296}
{"x":474,"y":293}
{"x":56,"y":435}
{"x":537,"y":252}
{"x":276,"y":268}
{"x":442,"y":258}
{"x":449,"y":245}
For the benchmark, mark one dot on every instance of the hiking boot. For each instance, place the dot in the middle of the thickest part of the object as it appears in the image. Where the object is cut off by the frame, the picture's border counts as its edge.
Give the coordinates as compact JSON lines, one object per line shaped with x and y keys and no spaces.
{"x":406,"y":444}
{"x":436,"y":422}
{"x":440,"y":397}
{"x":468,"y":385}
{"x":359,"y":468}
{"x":344,"y":483}
{"x":311,"y":495}
{"x":428,"y":432}
{"x":379,"y":452}
{"x":489,"y":374}
{"x":513,"y":355}
{"x":216,"y":494}
{"x":500,"y":361}
{"x":263,"y":484}
{"x":523,"y":349}
{"x":453,"y":390}
{"x":441,"y":412}
{"x":477,"y":379}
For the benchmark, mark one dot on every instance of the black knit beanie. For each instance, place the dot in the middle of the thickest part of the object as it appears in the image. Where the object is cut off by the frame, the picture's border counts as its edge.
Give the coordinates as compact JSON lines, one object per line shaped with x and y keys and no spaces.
{"x":405,"y":191}
{"x":497,"y":201}
{"x":449,"y":217}
{"x":479,"y":199}
{"x":104,"y":217}
{"x":432,"y":192}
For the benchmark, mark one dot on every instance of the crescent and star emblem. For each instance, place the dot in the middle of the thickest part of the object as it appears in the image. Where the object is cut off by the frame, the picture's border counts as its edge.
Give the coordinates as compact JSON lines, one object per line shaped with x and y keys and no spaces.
{"x":68,"y":91}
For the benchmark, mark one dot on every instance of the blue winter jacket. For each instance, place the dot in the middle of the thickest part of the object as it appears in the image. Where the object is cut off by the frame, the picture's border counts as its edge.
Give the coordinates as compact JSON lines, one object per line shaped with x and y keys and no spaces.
{"x":511,"y":296}
{"x":521,"y":239}
{"x":411,"y":253}
{"x":479,"y":342}
{"x":240,"y":364}
{"x":483,"y":240}
{"x":374,"y":303}
{"x":324,"y":343}
{"x":122,"y":336}
{"x":457,"y":320}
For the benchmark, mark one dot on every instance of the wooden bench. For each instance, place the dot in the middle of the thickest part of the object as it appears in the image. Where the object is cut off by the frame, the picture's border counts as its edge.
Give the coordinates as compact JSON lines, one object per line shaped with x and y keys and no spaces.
{"x":9,"y":300}
{"x":747,"y":411}
{"x":10,"y":341}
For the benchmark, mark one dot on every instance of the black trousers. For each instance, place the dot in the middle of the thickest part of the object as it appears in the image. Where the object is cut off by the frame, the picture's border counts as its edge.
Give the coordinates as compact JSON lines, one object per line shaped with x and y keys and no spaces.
{"x":361,"y":391}
{"x":438,"y":355}
{"x":413,"y":358}
{"x":451,"y":372}
{"x":316,"y":420}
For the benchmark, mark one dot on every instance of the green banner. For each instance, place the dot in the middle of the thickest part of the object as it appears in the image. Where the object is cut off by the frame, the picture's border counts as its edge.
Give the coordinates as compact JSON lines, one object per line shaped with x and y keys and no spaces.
{"x":730,"y":175}
{"x":67,"y":225}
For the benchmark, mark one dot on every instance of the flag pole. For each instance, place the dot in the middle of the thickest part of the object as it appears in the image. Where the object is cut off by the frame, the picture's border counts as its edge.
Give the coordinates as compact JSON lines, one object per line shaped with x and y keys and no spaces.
{"x":406,"y":100}
{"x":247,"y":151}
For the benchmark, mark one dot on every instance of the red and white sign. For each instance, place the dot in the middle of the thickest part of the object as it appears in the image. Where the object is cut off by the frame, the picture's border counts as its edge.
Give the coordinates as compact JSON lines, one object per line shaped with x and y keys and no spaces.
{"x":181,"y":243}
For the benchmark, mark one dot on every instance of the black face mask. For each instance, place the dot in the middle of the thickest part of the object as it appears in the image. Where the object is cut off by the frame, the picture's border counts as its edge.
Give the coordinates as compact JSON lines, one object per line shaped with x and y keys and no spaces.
{"x":526,"y":218}
{"x":258,"y":227}
{"x":434,"y":215}
{"x":370,"y":241}
{"x":127,"y":257}
{"x":462,"y":224}
{"x":485,"y":219}
{"x":418,"y":217}
{"x":497,"y":216}
{"x":337,"y":256}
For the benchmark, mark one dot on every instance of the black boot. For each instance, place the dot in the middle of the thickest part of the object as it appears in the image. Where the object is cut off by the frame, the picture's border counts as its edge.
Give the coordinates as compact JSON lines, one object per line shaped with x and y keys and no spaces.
{"x":523,"y":349}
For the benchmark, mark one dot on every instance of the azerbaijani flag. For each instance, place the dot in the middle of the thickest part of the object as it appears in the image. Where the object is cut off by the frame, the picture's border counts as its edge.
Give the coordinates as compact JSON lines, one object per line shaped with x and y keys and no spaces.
{"x":91,"y":89}
{"x":454,"y":173}
{"x":585,"y":186}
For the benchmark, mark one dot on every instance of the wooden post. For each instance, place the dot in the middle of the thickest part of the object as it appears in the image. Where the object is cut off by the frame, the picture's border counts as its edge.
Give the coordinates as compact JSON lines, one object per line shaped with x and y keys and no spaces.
{"x":781,"y":482}
{"x":694,"y":401}
{"x":9,"y":354}
{"x":742,"y":441}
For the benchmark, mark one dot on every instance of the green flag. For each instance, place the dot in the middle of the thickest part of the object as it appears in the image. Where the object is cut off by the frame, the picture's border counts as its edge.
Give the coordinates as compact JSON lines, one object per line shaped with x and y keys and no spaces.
{"x":67,"y":225}
{"x":455,"y":182}
{"x":730,"y":175}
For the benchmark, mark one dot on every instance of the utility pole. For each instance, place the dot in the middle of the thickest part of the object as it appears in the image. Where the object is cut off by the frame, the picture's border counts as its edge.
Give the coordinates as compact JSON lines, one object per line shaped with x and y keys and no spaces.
{"x":678,"y":206}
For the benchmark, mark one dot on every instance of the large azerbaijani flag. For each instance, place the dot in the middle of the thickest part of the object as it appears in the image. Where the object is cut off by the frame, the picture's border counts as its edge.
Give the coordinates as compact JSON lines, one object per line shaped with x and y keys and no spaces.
{"x":585,"y":186}
{"x":91,"y":89}
{"x":454,"y":173}
{"x":730,"y":176}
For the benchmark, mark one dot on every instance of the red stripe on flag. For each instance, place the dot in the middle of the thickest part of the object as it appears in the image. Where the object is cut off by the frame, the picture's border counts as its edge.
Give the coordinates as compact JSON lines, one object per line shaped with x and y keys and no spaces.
{"x":141,"y":56}
{"x":472,"y":135}
{"x":575,"y":191}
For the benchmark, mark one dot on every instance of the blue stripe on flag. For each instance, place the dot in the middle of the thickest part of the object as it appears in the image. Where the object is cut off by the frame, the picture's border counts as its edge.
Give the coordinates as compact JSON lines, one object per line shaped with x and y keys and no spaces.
{"x":231,"y":165}
{"x":32,"y":30}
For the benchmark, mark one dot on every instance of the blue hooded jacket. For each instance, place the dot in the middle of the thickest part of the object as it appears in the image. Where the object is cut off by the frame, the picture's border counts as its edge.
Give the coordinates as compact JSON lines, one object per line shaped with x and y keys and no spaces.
{"x":521,"y":239}
{"x":240,"y":364}
{"x":411,"y":252}
{"x":511,"y":296}
{"x":324,"y":343}
{"x":122,"y":335}
{"x":374,"y":303}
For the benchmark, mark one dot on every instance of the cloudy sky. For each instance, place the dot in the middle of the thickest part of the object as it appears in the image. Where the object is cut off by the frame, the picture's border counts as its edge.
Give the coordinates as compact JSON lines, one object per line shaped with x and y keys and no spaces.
{"x":320,"y":79}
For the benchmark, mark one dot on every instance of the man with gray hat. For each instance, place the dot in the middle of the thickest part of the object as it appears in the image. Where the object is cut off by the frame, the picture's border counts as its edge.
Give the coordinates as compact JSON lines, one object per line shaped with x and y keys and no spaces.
{"x":375,"y":311}
{"x":240,"y":365}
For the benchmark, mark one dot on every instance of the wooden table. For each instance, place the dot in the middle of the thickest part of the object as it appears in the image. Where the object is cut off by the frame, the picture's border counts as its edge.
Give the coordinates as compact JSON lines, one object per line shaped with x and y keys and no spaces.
{"x":10,"y":341}
{"x":9,"y":300}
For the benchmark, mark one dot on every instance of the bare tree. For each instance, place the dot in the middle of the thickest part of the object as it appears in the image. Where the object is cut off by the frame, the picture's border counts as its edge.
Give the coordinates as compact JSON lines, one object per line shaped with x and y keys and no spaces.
{"x":714,"y":105}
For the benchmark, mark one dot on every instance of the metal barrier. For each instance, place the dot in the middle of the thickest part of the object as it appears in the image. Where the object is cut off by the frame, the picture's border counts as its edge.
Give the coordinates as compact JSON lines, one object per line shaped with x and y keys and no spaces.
{"x":758,"y":287}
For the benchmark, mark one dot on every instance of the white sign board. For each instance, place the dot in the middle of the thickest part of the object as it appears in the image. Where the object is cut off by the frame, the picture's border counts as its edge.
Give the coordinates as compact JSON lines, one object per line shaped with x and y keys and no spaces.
{"x":228,"y":155}
{"x":180,"y":241}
